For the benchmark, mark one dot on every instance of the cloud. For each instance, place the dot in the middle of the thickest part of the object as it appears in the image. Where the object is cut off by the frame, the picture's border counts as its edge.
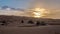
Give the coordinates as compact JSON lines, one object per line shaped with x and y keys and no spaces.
{"x":0,"y":7}
{"x":53,"y":13}
{"x":13,"y":12}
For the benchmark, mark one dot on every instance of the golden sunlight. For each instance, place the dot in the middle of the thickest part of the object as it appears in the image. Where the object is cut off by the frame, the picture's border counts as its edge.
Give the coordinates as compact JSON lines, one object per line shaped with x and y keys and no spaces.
{"x":37,"y":13}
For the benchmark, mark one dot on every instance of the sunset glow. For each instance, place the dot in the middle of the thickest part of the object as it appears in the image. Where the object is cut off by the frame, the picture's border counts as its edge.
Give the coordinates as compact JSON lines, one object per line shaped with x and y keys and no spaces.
{"x":37,"y":13}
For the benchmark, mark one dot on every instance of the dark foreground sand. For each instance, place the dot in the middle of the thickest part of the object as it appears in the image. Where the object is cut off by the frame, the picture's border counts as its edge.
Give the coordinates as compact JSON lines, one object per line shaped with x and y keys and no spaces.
{"x":51,"y":29}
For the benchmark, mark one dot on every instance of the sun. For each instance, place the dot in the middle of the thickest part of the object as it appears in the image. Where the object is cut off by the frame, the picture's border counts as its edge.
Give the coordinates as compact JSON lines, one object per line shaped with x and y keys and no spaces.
{"x":38,"y":12}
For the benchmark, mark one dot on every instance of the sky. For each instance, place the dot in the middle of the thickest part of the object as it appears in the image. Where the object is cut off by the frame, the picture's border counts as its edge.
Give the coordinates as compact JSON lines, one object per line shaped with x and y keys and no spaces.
{"x":15,"y":3}
{"x":53,"y":6}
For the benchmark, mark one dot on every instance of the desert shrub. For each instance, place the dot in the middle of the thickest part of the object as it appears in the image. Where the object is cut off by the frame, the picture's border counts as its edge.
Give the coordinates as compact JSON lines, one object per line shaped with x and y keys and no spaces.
{"x":38,"y":23}
{"x":30,"y":22}
{"x":3,"y":23}
{"x":43,"y":23}
{"x":22,"y":21}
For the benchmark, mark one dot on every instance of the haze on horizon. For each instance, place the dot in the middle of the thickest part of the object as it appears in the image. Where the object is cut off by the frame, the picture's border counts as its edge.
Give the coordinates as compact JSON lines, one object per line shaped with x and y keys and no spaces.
{"x":53,"y":6}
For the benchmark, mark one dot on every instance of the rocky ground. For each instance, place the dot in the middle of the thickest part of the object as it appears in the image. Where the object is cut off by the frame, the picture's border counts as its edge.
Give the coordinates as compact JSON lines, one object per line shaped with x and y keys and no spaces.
{"x":12,"y":25}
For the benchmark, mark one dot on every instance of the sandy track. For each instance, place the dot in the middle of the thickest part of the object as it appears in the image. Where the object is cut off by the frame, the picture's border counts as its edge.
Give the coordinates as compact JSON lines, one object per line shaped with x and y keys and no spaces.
{"x":54,"y":29}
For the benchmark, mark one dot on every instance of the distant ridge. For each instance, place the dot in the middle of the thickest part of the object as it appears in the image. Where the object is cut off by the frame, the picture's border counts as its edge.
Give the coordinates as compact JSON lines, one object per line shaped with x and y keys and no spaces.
{"x":12,"y":20}
{"x":21,"y":16}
